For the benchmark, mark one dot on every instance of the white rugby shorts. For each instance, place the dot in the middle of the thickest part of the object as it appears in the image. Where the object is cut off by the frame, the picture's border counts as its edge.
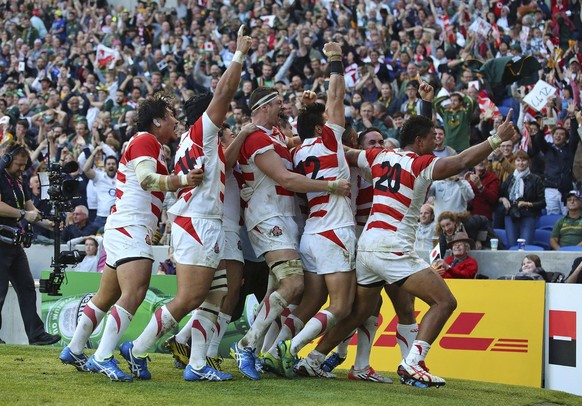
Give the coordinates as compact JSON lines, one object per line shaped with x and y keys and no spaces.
{"x":127,"y":242}
{"x":329,"y":252}
{"x":276,"y":233}
{"x":198,"y":242}
{"x":377,"y":266}
{"x":232,"y":247}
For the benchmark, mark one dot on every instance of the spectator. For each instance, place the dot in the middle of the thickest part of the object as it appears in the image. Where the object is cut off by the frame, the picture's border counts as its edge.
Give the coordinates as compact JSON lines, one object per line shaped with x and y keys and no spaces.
{"x":168,"y":267}
{"x":485,"y":185}
{"x":568,"y":230}
{"x":80,"y":227}
{"x":412,"y":103}
{"x":522,"y":196}
{"x":476,"y":227}
{"x":440,"y":149}
{"x":90,"y":261}
{"x":452,"y":194}
{"x":368,"y":121}
{"x":459,"y":265}
{"x":502,"y":161}
{"x":425,"y":233}
{"x":456,"y":119}
{"x":531,"y":268}
{"x":104,"y":183}
{"x":558,"y":161}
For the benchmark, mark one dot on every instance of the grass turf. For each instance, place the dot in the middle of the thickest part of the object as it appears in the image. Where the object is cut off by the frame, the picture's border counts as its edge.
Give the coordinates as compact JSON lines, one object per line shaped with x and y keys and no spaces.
{"x":34,"y":375}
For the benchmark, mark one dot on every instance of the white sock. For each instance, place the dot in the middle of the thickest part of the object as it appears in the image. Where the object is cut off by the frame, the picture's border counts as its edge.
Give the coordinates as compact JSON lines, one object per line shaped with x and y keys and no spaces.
{"x":88,"y":322}
{"x":185,"y":335}
{"x":221,"y":325}
{"x":291,"y":327}
{"x":161,"y":322}
{"x":342,"y":348}
{"x":273,"y":307}
{"x":316,"y":357}
{"x":405,"y":336}
{"x":201,"y":330}
{"x":417,"y":352}
{"x":316,"y":326}
{"x":275,"y":329}
{"x":366,"y":334}
{"x":115,"y":326}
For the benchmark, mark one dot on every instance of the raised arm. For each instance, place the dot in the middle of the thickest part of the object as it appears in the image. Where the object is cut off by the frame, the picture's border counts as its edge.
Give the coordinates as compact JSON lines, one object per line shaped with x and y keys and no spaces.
{"x":228,"y":83}
{"x":337,"y":86}
{"x":470,"y":157}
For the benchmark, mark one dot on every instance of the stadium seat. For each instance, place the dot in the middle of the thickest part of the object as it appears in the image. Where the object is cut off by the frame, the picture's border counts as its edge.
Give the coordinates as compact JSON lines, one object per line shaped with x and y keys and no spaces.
{"x":528,"y":248}
{"x":570,"y":248}
{"x":547,"y":222}
{"x":502,"y":235}
{"x":542,"y":238}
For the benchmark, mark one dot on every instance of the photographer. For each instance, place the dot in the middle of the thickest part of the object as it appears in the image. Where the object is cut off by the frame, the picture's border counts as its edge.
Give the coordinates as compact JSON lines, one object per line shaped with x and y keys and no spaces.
{"x":16,"y":205}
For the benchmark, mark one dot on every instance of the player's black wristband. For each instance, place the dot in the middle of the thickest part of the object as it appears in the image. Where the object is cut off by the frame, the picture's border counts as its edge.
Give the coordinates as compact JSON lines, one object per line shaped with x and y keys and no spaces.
{"x":336,"y":67}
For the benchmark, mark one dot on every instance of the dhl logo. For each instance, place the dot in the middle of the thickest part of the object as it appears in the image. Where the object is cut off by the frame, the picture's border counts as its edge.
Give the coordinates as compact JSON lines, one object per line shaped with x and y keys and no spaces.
{"x":457,"y":336}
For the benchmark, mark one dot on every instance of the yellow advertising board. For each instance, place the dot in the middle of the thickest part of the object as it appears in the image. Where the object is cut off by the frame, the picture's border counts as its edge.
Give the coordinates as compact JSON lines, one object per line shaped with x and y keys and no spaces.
{"x":494,"y":335}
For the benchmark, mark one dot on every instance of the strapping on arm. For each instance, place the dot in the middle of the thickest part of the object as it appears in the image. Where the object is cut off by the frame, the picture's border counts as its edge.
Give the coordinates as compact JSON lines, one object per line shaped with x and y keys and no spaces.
{"x":149,"y":179}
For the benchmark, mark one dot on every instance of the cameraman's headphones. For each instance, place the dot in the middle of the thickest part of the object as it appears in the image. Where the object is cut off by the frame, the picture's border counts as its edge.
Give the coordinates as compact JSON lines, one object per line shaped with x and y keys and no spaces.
{"x":7,"y":158}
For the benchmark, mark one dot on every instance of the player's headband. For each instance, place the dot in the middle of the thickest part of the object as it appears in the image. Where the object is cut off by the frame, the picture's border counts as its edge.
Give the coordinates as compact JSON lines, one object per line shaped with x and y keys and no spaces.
{"x":264,"y":100}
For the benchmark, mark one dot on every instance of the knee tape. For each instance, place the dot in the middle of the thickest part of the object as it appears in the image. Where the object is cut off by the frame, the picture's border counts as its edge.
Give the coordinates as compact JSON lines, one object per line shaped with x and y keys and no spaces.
{"x":285,"y":269}
{"x":273,"y":283}
{"x":219,"y":281}
{"x":216,"y":293}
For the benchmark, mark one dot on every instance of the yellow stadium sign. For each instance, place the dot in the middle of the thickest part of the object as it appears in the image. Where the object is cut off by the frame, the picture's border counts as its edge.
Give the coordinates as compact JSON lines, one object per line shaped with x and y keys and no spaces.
{"x":494,"y":335}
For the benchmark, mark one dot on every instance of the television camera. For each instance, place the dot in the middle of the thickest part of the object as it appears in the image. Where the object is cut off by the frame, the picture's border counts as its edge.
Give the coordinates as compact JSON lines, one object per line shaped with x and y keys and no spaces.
{"x":57,"y":186}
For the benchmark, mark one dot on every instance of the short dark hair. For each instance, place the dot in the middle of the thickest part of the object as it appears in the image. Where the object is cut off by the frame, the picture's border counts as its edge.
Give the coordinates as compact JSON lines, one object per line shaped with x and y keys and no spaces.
{"x":111,"y":157}
{"x":415,"y":126}
{"x":309,"y":117}
{"x":155,"y":107}
{"x":367,"y":131}
{"x":195,"y":106}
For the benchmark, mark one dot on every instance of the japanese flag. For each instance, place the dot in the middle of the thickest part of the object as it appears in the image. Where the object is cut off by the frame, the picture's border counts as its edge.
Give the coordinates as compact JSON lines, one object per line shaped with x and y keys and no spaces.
{"x":207,"y":47}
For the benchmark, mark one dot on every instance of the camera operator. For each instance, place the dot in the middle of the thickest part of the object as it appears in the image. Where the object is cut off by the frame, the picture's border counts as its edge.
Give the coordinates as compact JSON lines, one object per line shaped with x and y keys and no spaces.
{"x":16,"y":205}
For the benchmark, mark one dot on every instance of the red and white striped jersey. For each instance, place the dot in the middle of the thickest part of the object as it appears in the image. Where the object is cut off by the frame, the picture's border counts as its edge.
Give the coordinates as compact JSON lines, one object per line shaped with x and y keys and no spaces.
{"x":323,"y":158}
{"x":231,"y":220}
{"x":363,"y":200}
{"x":269,"y":199}
{"x":200,"y":148}
{"x":133,"y":205}
{"x":400,"y":180}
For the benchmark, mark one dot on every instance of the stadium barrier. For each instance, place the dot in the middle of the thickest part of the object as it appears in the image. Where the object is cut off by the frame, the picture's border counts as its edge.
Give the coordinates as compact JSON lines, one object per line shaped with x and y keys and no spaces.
{"x":563,"y":350}
{"x":494,"y":335}
{"x":491,"y":263}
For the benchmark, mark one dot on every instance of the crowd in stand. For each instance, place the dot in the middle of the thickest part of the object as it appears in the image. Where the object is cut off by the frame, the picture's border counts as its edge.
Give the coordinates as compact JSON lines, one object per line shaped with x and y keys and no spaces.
{"x":72,"y":73}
